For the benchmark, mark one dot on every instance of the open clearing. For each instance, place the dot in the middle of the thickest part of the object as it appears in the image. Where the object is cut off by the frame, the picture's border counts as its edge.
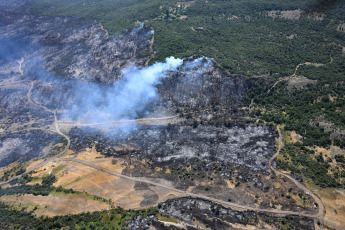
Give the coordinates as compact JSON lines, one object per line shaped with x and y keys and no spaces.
{"x":55,"y":205}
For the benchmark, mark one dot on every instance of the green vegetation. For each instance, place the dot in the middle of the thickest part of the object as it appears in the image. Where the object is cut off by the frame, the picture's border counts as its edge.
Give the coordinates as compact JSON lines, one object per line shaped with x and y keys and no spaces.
{"x":116,"y":15}
{"x":300,"y":160}
{"x":250,"y":44}
{"x":110,"y":219}
{"x":15,"y":171}
{"x":48,"y":180}
{"x":19,"y":186}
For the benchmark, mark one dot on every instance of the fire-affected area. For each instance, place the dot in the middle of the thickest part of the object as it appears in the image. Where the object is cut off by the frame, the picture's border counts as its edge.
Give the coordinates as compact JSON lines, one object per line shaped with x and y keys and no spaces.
{"x":81,"y":102}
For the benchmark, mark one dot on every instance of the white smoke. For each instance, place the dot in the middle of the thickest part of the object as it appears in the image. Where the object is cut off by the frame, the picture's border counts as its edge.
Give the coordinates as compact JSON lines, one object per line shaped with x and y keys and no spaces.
{"x":122,"y":100}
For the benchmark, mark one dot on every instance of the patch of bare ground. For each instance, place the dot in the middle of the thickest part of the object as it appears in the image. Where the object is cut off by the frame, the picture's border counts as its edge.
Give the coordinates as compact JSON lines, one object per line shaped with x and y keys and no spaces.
{"x":292,"y":36}
{"x":299,"y":82}
{"x":125,"y":193}
{"x":335,"y":150}
{"x":329,"y":126}
{"x":334,"y":201}
{"x":295,"y":14}
{"x":286,"y":14}
{"x":56,"y":205}
{"x":341,"y":27}
{"x":185,"y":5}
{"x":233,"y":17}
{"x":317,"y":16}
{"x":295,"y":137}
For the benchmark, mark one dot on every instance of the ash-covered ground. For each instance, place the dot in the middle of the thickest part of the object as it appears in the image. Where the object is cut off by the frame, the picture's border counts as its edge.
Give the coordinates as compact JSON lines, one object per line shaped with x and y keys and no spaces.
{"x":250,"y":146}
{"x":184,"y":116}
{"x":41,"y":58}
{"x":203,"y":214}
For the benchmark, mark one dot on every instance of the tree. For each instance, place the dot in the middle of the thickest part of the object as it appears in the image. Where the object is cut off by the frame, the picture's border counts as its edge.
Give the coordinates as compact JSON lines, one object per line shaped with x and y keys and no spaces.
{"x":48,"y":180}
{"x":167,"y":15}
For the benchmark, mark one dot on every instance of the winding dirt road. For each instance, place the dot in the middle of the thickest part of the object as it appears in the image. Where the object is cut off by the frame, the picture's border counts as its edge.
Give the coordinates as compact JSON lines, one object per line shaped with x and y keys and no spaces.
{"x":321,"y":206}
{"x":319,"y":216}
{"x":224,"y":203}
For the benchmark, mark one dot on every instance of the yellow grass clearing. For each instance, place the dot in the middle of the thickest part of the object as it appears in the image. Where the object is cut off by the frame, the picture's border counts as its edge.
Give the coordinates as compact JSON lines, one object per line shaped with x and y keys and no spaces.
{"x":118,"y":167}
{"x":277,"y":184}
{"x":33,"y":164}
{"x":90,"y":154}
{"x":324,"y":151}
{"x":334,"y":201}
{"x":55,"y":205}
{"x":229,"y":184}
{"x":295,"y":137}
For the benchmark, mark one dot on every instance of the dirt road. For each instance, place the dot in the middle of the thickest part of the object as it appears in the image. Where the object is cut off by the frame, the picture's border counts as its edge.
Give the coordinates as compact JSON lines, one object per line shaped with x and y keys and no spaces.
{"x":321,"y":206}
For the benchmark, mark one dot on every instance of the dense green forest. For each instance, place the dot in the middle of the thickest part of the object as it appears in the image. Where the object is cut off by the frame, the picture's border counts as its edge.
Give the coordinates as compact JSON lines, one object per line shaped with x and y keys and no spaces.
{"x":244,"y":40}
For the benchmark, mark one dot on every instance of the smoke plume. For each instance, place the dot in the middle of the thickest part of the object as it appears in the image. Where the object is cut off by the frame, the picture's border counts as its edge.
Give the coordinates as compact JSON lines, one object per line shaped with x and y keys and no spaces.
{"x":121,"y":101}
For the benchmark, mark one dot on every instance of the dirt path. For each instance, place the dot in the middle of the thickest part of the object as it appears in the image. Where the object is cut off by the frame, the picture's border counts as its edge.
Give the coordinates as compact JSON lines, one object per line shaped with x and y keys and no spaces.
{"x":20,"y":70}
{"x":28,"y":95}
{"x":296,"y":69}
{"x":321,"y":206}
{"x":151,"y":49}
{"x":71,"y":124}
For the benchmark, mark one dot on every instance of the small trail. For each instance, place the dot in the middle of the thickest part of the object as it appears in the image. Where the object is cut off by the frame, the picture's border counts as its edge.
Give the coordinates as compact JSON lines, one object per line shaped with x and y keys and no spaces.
{"x":20,"y":62}
{"x":29,"y":100}
{"x":151,"y":49}
{"x":296,"y":69}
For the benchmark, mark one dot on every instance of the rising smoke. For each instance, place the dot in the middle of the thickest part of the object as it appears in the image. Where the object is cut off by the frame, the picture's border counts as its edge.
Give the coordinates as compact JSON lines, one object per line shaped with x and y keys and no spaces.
{"x":121,"y":101}
{"x":98,"y":104}
{"x":124,"y":100}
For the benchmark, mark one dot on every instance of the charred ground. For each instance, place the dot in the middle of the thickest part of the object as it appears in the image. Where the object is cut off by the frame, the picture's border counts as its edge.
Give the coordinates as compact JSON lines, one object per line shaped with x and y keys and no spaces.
{"x":200,"y":134}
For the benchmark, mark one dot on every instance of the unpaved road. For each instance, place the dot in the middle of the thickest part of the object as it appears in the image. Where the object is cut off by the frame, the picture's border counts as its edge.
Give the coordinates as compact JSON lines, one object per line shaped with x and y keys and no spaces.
{"x":321,"y":206}
{"x":114,"y":122}
{"x":319,"y":215}
{"x":226,"y":204}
